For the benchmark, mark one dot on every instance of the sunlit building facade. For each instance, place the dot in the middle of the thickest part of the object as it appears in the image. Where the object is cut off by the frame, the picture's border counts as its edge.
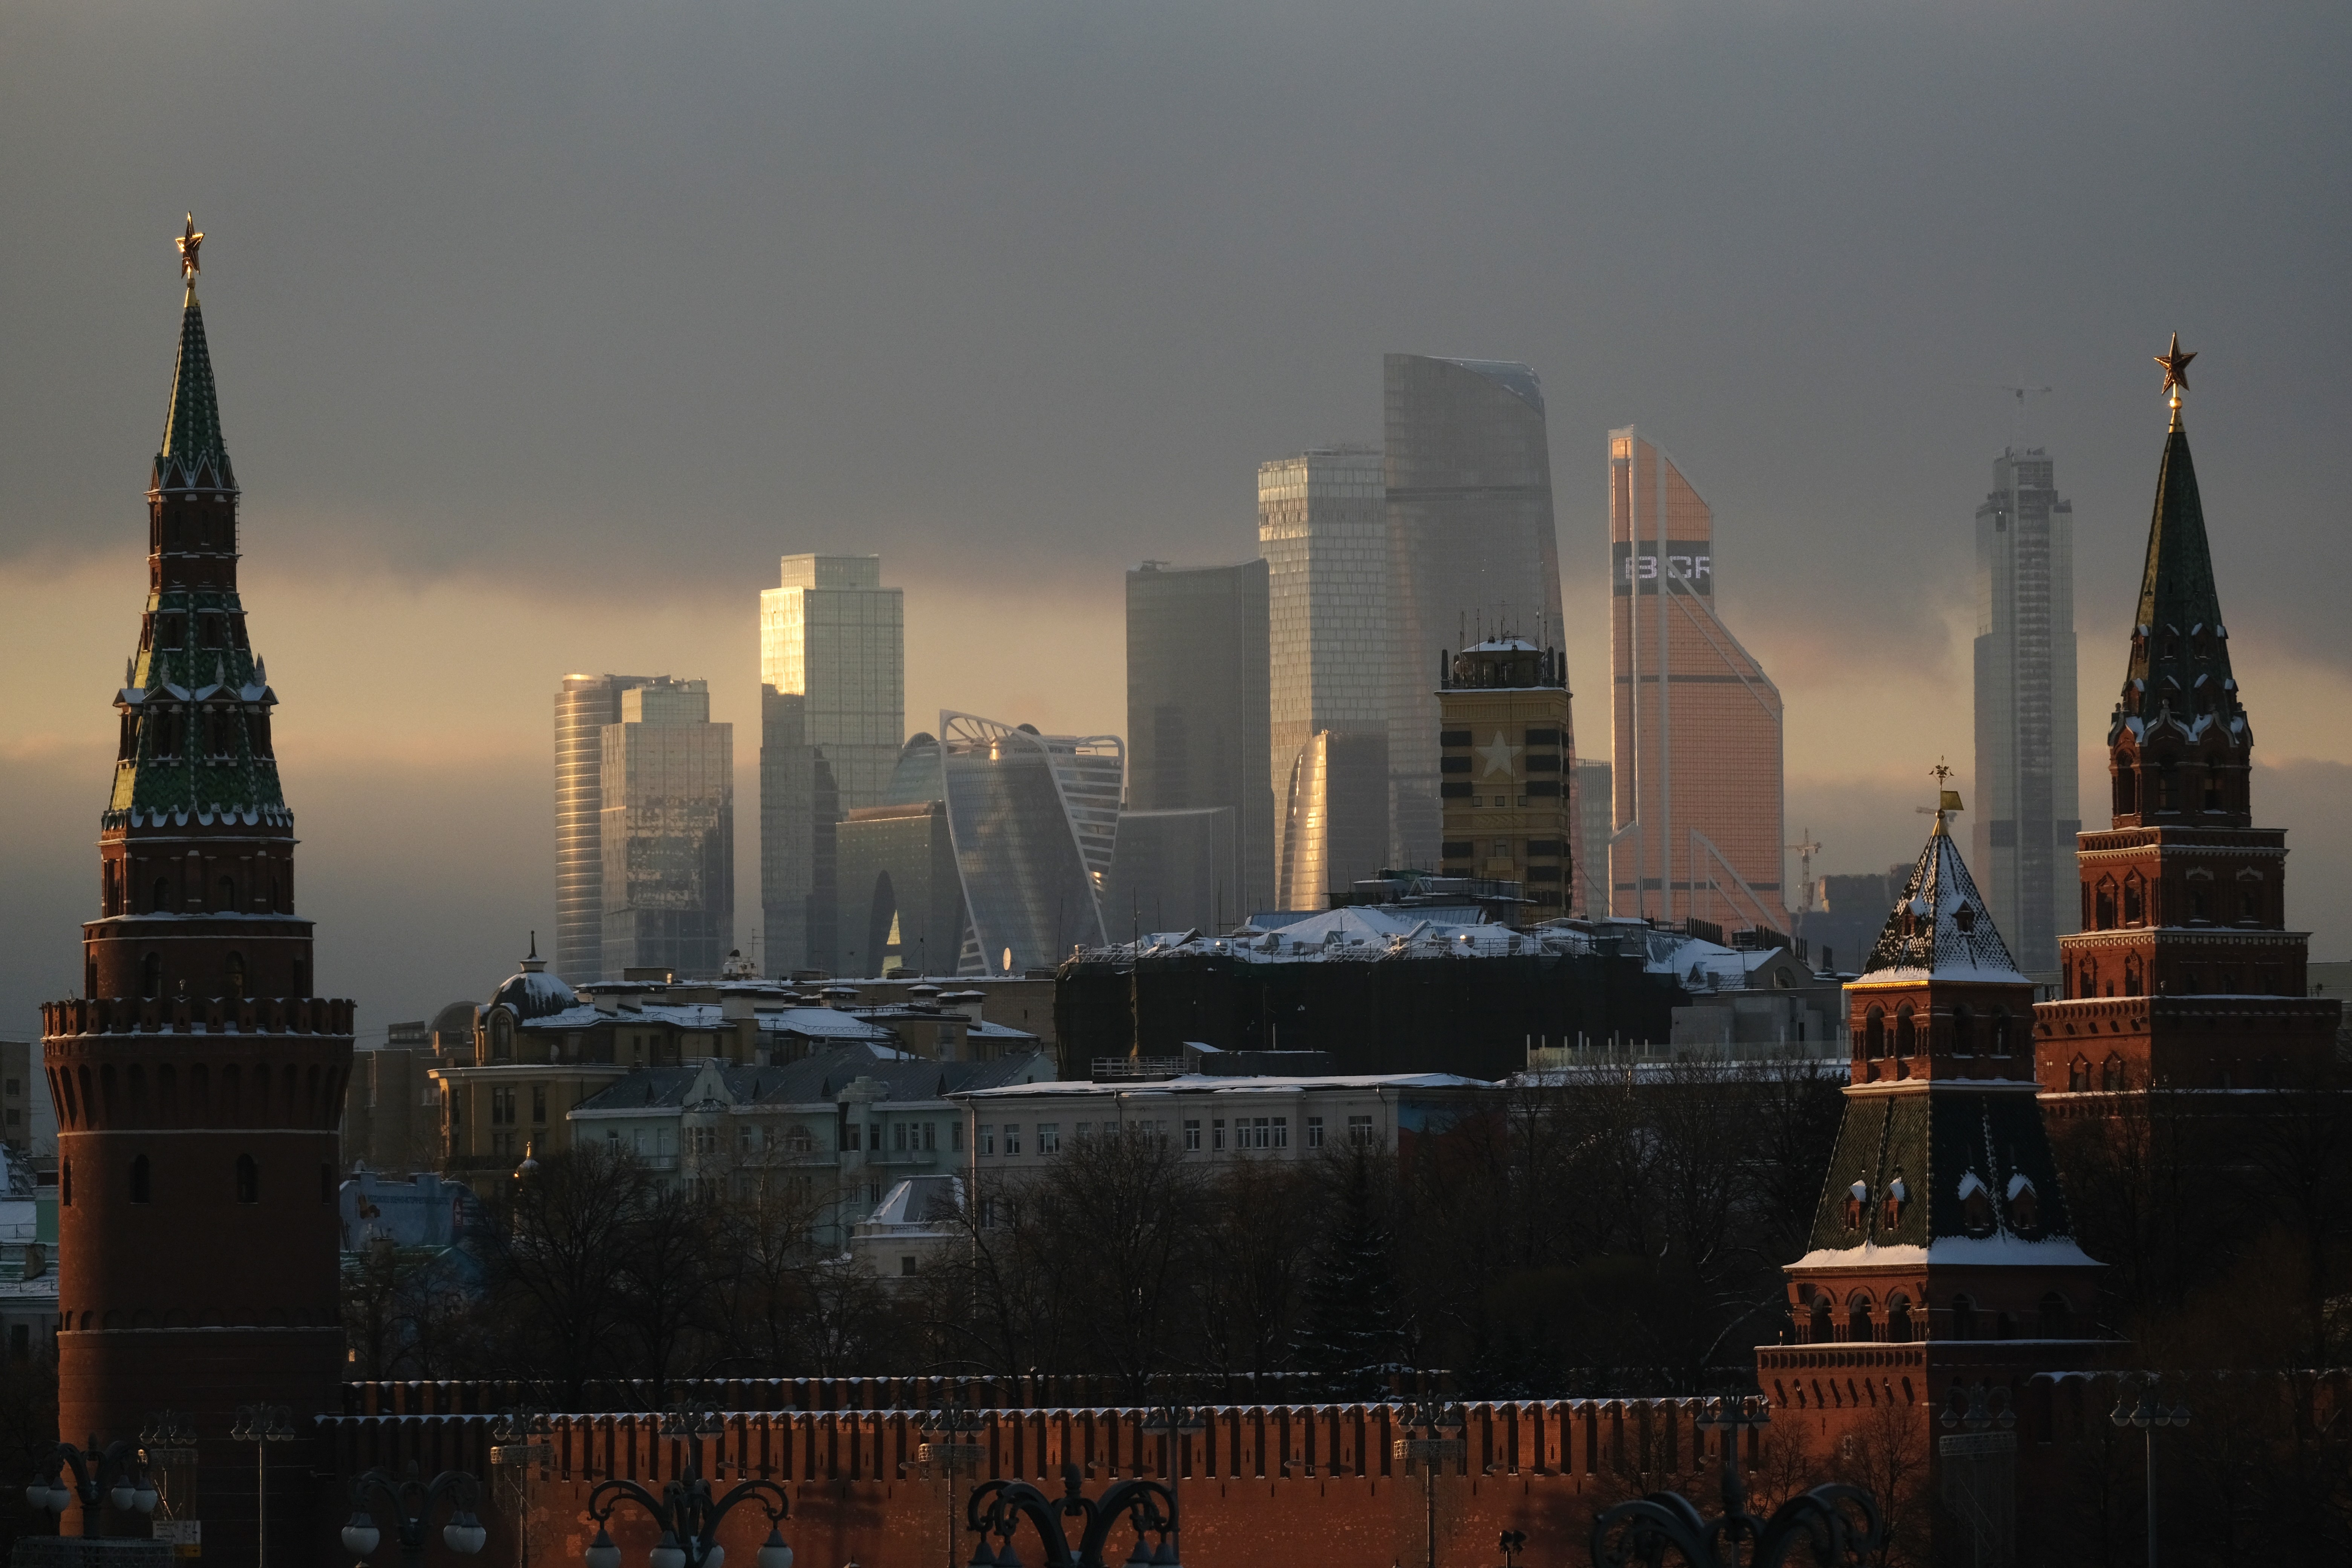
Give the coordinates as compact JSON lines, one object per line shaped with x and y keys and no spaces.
{"x":1197,"y":710}
{"x":1473,"y":549}
{"x":833,"y":686}
{"x":1506,"y":772}
{"x":1034,"y":820}
{"x":585,"y":704}
{"x":2027,"y":802}
{"x":668,"y":821}
{"x":901,"y":902}
{"x":1322,"y":522}
{"x":1696,"y":766}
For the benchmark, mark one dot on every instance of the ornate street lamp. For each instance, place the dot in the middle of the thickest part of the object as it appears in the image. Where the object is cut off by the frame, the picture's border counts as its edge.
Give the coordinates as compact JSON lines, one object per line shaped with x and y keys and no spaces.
{"x":1839,"y":1524}
{"x":997,"y":1507}
{"x":686,"y":1512}
{"x":409,"y":1503}
{"x":951,"y":1448}
{"x":116,"y":1474}
{"x":2148,"y":1414}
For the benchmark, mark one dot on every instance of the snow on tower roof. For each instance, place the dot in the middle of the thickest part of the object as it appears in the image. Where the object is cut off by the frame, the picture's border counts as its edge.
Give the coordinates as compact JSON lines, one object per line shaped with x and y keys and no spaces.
{"x":1939,"y":929}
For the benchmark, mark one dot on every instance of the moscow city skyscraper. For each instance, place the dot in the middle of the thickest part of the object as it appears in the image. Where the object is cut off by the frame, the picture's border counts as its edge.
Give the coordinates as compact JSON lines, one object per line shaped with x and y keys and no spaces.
{"x":832,"y":714}
{"x":1197,"y":710}
{"x":1695,"y":770}
{"x":583,"y":706}
{"x":1472,"y":543}
{"x":2028,"y":789}
{"x":1322,"y":530}
{"x":668,"y":821}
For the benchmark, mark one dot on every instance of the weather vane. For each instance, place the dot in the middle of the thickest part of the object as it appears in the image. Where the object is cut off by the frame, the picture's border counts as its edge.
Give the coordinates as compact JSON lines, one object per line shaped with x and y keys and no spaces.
{"x":1947,"y":799}
{"x":2176,"y":370}
{"x":193,"y":238}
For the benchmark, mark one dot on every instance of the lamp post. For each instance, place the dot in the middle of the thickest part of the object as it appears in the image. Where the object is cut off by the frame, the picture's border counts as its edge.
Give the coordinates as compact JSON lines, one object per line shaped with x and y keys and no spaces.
{"x":519,"y":1439}
{"x":262,"y":1425}
{"x":952,"y":1451}
{"x":409,"y":1503}
{"x":116,"y":1474}
{"x":1439,"y":1440}
{"x":2149,"y":1413}
{"x":997,"y":1507}
{"x":686,"y":1512}
{"x":1175,"y":1421}
{"x":168,"y":1445}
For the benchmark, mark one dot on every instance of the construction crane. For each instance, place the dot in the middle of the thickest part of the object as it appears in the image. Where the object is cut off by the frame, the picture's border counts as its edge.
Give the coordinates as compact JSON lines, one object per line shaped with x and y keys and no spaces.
{"x":1804,"y":852}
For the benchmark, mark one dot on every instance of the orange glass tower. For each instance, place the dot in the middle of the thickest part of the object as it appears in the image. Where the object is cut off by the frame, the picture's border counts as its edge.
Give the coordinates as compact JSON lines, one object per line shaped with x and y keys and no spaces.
{"x":1697,"y":769}
{"x":198,"y":1083}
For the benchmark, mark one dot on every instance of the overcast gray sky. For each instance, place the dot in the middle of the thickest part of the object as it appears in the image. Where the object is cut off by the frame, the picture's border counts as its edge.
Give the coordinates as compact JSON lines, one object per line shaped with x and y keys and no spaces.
{"x":542,"y":329}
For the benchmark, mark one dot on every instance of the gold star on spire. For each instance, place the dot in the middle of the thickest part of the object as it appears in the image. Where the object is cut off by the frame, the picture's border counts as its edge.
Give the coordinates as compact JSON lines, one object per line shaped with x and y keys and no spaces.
{"x":193,"y":238}
{"x":2176,"y":369}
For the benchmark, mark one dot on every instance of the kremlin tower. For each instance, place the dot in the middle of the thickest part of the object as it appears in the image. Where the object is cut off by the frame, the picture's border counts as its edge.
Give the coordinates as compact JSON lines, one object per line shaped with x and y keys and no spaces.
{"x":198,"y":1082}
{"x":2183,"y":977}
{"x":1942,"y":1260}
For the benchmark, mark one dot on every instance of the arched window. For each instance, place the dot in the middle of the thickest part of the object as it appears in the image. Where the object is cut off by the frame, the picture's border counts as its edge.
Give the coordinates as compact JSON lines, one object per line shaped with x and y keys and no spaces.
{"x":1822,"y":1331}
{"x":1855,"y":1195}
{"x":2126,"y":792}
{"x":2078,"y":1076}
{"x":248,"y":1180}
{"x":1857,"y":1319}
{"x":2001,"y":1031}
{"x":1890,"y":1212}
{"x":151,"y":975}
{"x":1964,"y":1030}
{"x":2135,"y":900}
{"x":2131,"y":975}
{"x":1899,"y":1319}
{"x":2057,"y":1317}
{"x":142,"y":1187}
{"x":113,"y":887}
{"x":1976,"y":1207}
{"x":2111,"y":1073}
{"x":235,"y":968}
{"x":65,"y":1183}
{"x":1875,"y":1031}
{"x":1906,"y":1039}
{"x":1964,"y":1318}
{"x":228,"y":894}
{"x":2105,"y":903}
{"x":163,"y":901}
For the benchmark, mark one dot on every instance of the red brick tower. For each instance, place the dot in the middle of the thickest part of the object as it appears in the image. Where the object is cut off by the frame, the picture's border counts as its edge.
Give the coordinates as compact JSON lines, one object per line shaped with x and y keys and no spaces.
{"x":2183,"y":975}
{"x":198,"y":1082}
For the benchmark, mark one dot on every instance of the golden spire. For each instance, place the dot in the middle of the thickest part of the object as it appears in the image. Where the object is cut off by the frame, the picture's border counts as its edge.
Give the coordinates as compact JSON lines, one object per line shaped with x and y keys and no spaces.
{"x":2176,"y":376}
{"x":187,"y":242}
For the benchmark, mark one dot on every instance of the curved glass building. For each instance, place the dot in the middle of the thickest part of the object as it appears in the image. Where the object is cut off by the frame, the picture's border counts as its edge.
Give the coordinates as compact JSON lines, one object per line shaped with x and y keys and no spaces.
{"x":1034,"y":819}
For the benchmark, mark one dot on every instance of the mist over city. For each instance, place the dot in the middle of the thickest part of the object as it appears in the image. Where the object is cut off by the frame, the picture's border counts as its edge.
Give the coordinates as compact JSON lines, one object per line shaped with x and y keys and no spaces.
{"x":1533,"y":710}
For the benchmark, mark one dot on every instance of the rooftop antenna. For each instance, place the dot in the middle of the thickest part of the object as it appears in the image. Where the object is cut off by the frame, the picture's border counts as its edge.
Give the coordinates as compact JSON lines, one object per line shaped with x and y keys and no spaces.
{"x":1804,"y":850}
{"x":2017,"y":424}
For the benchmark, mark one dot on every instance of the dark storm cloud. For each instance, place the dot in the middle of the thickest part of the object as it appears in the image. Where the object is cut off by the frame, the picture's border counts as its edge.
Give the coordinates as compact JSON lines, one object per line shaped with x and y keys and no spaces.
{"x":1027,"y":290}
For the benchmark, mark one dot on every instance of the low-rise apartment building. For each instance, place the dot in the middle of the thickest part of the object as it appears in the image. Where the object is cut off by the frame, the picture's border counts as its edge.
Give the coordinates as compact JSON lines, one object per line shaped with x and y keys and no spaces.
{"x":827,"y":1136}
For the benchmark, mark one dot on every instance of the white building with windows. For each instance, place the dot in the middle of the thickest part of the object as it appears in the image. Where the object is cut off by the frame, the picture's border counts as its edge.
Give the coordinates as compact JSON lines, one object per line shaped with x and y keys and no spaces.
{"x":1020,"y":1127}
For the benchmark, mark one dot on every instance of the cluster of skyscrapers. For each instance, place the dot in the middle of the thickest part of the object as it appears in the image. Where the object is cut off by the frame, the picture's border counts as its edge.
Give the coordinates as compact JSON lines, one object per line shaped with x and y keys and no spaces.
{"x":1283,"y":731}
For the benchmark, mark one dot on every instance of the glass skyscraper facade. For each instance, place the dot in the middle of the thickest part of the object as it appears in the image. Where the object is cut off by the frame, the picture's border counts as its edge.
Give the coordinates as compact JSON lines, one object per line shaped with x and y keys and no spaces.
{"x":901,"y":895}
{"x":833,"y":684}
{"x":668,"y":821}
{"x":2028,"y":787}
{"x":1034,"y":820}
{"x":1473,"y":549}
{"x":583,"y":706}
{"x":1197,"y":712}
{"x":1696,"y":766}
{"x":1322,"y":529}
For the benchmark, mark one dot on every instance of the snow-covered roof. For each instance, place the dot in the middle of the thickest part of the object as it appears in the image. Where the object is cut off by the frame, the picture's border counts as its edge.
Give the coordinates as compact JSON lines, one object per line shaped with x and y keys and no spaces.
{"x":532,"y":993}
{"x":2002,"y":1250}
{"x":1940,"y":929}
{"x":1201,"y":1083}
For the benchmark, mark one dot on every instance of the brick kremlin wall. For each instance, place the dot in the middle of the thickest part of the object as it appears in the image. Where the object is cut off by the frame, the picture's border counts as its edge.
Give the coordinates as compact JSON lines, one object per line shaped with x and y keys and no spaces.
{"x":1262,"y":1486}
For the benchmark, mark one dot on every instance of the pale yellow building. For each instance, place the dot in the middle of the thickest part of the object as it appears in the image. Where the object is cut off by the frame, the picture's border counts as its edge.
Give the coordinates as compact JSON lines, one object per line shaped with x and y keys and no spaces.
{"x":1505,"y":768}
